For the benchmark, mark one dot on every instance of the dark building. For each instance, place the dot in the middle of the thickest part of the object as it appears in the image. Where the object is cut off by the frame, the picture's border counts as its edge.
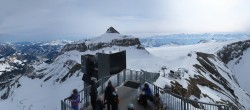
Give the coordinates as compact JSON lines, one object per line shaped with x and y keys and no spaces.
{"x":102,"y":64}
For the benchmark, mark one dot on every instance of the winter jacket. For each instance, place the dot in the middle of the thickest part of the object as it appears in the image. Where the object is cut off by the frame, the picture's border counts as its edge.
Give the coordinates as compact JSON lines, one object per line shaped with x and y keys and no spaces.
{"x":109,"y":93}
{"x":148,"y":92}
{"x":75,"y":102}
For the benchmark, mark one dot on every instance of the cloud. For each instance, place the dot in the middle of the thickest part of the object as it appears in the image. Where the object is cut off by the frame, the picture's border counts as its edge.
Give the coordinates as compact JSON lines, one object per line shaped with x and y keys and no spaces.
{"x":33,"y":19}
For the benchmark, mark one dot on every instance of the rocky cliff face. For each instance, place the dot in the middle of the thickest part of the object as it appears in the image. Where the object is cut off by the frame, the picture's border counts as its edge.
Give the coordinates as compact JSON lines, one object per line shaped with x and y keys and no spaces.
{"x":209,"y":76}
{"x":233,"y":51}
{"x":112,"y":30}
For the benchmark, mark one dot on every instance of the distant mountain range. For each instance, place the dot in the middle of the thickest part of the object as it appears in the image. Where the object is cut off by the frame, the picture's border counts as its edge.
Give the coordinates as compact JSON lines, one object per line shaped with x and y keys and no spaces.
{"x":188,"y":39}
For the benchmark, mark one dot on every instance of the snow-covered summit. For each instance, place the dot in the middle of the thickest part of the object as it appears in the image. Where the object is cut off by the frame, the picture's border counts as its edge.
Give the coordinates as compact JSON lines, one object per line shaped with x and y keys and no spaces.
{"x":110,"y":35}
{"x":108,"y":39}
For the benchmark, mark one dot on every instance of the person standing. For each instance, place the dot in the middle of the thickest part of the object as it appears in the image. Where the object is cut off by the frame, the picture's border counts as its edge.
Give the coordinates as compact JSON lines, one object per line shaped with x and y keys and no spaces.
{"x":74,"y":99}
{"x":93,"y":94}
{"x":148,"y":92}
{"x":109,"y":96}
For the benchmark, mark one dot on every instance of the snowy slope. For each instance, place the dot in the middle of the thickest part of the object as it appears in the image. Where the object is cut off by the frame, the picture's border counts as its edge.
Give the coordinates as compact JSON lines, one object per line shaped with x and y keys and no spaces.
{"x":57,"y":79}
{"x":177,"y":57}
{"x":38,"y":94}
{"x":241,"y":69}
{"x":49,"y":83}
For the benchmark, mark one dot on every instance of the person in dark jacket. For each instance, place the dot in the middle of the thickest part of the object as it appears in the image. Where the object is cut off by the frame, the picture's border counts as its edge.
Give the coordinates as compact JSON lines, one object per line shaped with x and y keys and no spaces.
{"x":74,"y":99}
{"x":109,"y":96}
{"x":93,"y":94}
{"x":148,"y":92}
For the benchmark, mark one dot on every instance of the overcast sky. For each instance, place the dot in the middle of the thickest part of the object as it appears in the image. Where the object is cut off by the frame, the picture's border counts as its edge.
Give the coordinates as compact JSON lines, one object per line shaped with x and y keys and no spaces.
{"x":70,"y":19}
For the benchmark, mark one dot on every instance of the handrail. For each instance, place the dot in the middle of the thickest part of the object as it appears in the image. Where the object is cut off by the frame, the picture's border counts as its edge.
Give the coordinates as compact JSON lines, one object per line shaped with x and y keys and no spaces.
{"x":181,"y":103}
{"x":117,"y":80}
{"x":65,"y":106}
{"x":186,"y":101}
{"x":178,"y":96}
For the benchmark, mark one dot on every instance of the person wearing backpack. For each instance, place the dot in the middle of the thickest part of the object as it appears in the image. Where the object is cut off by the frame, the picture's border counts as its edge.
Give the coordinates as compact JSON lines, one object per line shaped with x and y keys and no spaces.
{"x":74,"y":99}
{"x":109,"y":96}
{"x":146,"y":94}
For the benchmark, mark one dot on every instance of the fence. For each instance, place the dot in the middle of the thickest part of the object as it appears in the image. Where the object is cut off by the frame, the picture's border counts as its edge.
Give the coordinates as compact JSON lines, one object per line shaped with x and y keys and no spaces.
{"x":116,"y":79}
{"x":177,"y":102}
{"x":172,"y":100}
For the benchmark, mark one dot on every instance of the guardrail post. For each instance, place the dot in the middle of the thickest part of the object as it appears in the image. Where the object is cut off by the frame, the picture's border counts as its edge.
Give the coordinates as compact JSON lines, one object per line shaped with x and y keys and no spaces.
{"x":131,"y":75}
{"x":182,"y":103}
{"x":144,"y":75}
{"x":227,"y":107}
{"x":154,"y":89}
{"x":184,"y":100}
{"x":124,"y":76}
{"x":85,"y":95}
{"x":136,"y":76}
{"x":102,"y":85}
{"x":61,"y":104}
{"x":118,"y":79}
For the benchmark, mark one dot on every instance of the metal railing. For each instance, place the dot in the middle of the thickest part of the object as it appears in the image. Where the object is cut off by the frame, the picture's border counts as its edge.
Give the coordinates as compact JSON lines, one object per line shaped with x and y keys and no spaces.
{"x":116,"y":79}
{"x":170,"y":99}
{"x":173,"y":101}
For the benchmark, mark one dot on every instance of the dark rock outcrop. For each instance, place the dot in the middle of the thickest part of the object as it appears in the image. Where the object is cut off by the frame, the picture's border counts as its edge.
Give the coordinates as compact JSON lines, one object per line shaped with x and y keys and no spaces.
{"x":79,"y":47}
{"x":233,"y":51}
{"x":112,"y":30}
{"x":6,"y":50}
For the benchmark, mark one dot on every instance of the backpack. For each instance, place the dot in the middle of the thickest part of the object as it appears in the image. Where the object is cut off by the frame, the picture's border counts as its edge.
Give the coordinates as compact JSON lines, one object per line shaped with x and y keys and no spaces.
{"x":115,"y":98}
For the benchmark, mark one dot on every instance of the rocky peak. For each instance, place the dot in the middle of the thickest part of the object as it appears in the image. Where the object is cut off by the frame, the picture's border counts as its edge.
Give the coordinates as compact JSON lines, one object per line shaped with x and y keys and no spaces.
{"x":112,"y":30}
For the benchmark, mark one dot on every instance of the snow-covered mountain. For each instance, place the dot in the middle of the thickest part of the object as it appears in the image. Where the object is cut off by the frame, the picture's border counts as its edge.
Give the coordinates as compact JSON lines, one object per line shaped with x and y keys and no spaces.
{"x":44,"y":84}
{"x":189,"y":39}
{"x":6,"y":50}
{"x":208,"y":78}
{"x":108,"y":39}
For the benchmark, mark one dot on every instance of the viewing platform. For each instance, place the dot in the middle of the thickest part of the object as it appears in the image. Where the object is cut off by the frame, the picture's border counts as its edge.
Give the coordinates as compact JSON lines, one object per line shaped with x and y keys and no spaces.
{"x":129,"y":95}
